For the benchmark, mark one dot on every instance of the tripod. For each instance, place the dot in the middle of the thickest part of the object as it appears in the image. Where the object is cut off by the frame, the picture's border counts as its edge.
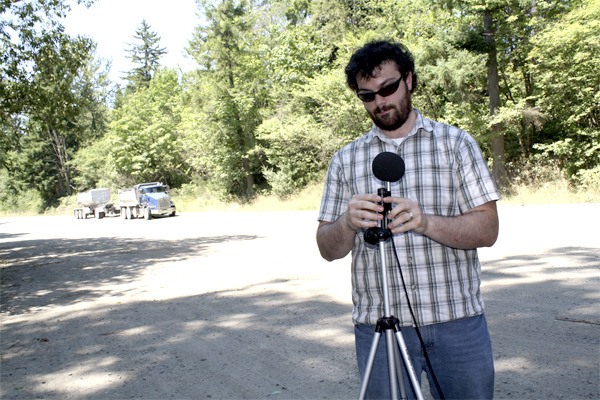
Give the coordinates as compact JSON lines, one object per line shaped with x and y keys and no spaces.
{"x":388,"y":323}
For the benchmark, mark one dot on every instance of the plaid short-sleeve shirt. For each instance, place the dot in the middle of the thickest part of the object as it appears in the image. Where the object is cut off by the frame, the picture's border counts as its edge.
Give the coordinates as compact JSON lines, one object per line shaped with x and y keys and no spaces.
{"x":446,"y":175}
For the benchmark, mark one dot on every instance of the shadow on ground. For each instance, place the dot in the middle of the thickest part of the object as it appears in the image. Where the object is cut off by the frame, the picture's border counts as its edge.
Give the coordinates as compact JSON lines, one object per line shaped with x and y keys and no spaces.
{"x":544,"y":318}
{"x":258,"y":341}
{"x":51,"y":272}
{"x":262,"y":340}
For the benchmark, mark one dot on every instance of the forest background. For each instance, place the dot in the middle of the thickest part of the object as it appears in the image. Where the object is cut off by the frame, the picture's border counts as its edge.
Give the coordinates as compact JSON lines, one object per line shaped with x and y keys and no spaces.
{"x":267,"y":105}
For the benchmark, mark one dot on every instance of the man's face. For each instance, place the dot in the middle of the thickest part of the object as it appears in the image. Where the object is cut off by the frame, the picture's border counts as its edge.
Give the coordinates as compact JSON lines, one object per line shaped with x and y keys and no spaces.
{"x":389,"y":111}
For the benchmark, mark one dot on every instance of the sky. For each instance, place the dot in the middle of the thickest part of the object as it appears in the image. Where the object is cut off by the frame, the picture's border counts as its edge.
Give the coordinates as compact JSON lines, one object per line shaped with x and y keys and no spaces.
{"x":112,"y":25}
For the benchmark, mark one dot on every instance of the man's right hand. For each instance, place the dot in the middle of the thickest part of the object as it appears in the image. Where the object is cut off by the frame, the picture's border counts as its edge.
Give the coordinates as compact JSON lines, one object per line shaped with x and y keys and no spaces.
{"x":336,"y":239}
{"x":364,"y":211}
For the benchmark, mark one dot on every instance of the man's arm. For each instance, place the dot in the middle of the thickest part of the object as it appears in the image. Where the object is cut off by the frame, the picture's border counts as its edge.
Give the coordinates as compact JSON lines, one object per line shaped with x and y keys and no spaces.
{"x":477,"y":227}
{"x":335,"y":239}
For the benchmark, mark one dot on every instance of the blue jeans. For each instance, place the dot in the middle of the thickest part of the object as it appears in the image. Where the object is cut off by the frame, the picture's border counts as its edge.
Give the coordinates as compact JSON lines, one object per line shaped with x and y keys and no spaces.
{"x":460,"y":353}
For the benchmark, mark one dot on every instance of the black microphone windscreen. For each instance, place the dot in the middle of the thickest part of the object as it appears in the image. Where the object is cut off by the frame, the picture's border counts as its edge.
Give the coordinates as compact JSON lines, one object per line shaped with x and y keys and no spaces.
{"x":388,"y":166}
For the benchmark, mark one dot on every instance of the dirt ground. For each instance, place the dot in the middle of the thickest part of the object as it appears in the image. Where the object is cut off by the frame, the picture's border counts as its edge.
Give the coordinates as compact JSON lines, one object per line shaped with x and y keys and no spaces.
{"x":234,"y":305}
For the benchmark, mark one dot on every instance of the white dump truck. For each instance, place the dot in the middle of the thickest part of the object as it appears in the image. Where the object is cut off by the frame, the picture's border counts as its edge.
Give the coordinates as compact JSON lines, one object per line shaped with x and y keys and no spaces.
{"x":146,"y":200}
{"x":95,"y":202}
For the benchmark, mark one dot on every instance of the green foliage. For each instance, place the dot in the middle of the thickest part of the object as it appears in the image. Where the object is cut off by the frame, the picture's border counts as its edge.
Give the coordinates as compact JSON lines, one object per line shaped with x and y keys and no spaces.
{"x":93,"y":167}
{"x":268,"y":104}
{"x":295,"y":153}
{"x":143,"y":134}
{"x":566,"y":58}
{"x":223,"y":143}
{"x":576,"y":154}
{"x":230,"y":47}
{"x":589,"y":179}
{"x":51,"y":102}
{"x":27,"y":201}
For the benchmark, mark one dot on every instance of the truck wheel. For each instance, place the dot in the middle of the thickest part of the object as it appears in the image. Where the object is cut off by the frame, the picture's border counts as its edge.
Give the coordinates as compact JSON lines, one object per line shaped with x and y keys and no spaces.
{"x":129,"y":213}
{"x":101,"y":215}
{"x":124,"y":212}
{"x":147,"y":213}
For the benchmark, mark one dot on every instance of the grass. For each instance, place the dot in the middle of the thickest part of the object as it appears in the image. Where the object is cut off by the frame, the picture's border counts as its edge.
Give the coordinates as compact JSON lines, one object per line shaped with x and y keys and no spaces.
{"x":556,"y":192}
{"x":307,"y":199}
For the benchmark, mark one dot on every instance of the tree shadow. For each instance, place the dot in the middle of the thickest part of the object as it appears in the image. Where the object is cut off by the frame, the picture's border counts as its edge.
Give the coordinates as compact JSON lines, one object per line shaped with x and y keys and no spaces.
{"x":260,"y":340}
{"x":66,"y":333}
{"x":220,"y":345}
{"x":52,"y":272}
{"x":544,"y":318}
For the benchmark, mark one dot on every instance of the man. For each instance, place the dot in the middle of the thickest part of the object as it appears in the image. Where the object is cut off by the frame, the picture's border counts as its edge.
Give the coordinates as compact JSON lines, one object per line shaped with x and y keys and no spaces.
{"x":442,"y":210}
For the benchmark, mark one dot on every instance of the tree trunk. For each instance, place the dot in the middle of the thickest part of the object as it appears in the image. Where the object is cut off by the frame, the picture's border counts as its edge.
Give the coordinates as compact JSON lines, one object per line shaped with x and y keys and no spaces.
{"x":60,"y":150}
{"x":249,"y":178}
{"x":498,"y":152}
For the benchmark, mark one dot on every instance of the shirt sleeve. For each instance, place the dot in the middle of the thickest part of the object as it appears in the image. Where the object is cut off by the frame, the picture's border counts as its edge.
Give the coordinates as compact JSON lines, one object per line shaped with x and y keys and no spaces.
{"x":334,"y":201}
{"x":476,"y":184}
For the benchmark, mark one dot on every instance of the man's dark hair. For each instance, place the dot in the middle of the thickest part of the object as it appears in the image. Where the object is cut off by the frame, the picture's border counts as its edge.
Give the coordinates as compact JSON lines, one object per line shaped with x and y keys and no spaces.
{"x":366,"y":59}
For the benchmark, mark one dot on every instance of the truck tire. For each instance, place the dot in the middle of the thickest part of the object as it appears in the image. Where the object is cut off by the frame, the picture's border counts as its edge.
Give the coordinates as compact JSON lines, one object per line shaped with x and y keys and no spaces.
{"x":147,"y":213}
{"x":124,"y":212}
{"x":129,"y":213}
{"x":100,"y":214}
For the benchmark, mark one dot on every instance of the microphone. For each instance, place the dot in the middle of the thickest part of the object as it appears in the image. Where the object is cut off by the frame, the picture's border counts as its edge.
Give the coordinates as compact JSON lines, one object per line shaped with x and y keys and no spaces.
{"x":388,"y":166}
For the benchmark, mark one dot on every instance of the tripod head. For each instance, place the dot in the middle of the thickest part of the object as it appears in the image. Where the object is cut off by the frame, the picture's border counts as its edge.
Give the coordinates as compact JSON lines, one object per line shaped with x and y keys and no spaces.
{"x":381,"y":233}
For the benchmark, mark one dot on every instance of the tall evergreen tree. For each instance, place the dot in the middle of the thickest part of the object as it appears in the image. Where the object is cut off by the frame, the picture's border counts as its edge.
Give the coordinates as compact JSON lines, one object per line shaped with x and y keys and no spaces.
{"x":145,"y":54}
{"x":227,"y":48}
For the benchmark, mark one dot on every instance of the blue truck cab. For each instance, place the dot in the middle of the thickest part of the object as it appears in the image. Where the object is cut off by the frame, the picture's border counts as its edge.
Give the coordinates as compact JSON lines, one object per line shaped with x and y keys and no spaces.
{"x":155,"y":200}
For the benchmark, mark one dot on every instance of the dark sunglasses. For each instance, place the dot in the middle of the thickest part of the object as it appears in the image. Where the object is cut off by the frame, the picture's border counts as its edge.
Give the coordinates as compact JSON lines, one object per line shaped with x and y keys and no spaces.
{"x":385,"y":91}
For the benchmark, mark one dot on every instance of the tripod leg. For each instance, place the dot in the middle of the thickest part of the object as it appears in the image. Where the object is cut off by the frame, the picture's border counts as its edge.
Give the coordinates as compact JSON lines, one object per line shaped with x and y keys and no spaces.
{"x":409,"y":366}
{"x":369,"y":367}
{"x":403,"y":394}
{"x":391,"y":353}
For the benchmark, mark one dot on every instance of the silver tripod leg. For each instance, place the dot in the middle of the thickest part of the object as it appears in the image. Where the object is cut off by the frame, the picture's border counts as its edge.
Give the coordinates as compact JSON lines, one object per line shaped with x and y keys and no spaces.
{"x":393,"y":361}
{"x":409,"y":367}
{"x":391,"y":353}
{"x":370,"y":362}
{"x":399,"y":373}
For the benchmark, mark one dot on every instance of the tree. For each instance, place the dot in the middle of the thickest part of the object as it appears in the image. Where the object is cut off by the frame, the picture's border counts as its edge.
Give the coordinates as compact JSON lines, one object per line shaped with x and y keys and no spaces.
{"x":146,"y":55}
{"x":566,"y":58}
{"x":481,"y":36}
{"x":226,"y":48}
{"x":42,"y":82}
{"x":143,"y":135}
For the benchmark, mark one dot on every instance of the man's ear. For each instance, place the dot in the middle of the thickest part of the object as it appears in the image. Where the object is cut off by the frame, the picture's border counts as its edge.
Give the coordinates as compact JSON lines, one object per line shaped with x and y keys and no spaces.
{"x":409,"y":81}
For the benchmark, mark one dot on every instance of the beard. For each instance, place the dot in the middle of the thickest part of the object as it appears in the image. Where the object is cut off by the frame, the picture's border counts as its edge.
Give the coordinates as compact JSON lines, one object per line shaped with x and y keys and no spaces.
{"x":395,"y":114}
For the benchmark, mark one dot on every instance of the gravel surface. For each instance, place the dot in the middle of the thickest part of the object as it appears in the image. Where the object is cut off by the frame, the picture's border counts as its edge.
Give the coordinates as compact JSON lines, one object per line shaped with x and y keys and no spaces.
{"x":239,"y":305}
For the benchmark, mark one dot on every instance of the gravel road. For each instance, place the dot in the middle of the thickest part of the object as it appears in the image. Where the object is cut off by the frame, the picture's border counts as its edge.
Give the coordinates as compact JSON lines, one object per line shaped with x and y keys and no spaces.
{"x":239,"y":305}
